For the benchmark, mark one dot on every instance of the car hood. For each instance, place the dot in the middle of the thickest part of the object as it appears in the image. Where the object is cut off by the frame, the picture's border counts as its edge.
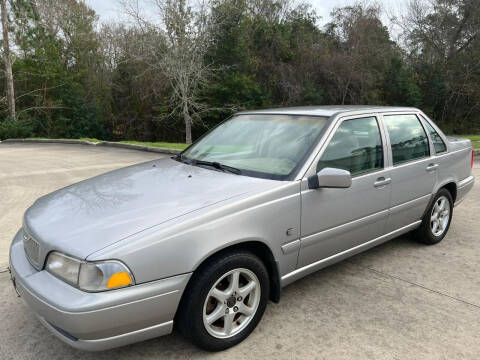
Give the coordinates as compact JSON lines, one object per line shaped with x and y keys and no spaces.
{"x":92,"y":214}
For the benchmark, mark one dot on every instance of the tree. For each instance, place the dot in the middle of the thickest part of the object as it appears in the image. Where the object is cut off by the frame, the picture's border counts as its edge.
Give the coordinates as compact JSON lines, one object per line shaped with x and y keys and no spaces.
{"x":56,"y":66}
{"x":269,"y":53}
{"x":401,"y":86}
{"x":173,"y":73}
{"x":7,"y":60}
{"x":443,"y":39}
{"x":187,"y":32}
{"x":359,"y":56}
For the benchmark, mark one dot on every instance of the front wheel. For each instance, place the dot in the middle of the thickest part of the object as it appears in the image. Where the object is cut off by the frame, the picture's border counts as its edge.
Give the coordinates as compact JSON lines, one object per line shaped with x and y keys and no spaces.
{"x":436,"y":222}
{"x":224,"y":301}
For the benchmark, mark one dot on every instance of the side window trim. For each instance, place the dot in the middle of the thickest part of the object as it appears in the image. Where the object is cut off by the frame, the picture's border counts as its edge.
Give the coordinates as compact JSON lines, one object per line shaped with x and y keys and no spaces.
{"x":387,"y":134}
{"x":387,"y":148}
{"x":336,"y":126}
{"x":431,"y":146}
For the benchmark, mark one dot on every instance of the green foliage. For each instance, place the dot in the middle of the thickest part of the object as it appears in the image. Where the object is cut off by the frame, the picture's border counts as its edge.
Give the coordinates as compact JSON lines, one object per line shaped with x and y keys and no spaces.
{"x":15,"y":129}
{"x":76,"y":79}
{"x":475,"y":139}
{"x":52,"y":77}
{"x":166,"y":145}
{"x":400,"y":86}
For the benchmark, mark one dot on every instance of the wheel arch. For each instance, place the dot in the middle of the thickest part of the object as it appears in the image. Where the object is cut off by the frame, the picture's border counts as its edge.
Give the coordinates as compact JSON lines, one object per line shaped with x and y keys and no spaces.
{"x":451,"y":186}
{"x":259,"y":249}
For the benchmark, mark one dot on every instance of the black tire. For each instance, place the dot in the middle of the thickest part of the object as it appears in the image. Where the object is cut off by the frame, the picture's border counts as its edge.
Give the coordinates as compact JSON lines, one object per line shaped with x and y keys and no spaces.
{"x":189,"y":319}
{"x":424,"y":233}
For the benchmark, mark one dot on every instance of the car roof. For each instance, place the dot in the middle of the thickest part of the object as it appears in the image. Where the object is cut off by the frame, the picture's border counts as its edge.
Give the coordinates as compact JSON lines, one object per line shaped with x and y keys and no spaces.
{"x":328,"y":110}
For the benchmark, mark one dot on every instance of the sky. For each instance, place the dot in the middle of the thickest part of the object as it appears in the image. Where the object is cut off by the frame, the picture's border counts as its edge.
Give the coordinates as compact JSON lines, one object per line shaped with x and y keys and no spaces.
{"x":111,"y":10}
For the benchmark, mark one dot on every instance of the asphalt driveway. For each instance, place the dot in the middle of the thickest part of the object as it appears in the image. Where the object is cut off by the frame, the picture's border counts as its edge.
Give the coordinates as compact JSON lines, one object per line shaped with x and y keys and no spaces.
{"x":401,"y":300}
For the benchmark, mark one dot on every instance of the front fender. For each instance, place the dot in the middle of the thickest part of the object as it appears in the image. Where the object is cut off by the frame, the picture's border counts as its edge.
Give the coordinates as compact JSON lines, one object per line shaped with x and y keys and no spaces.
{"x":181,"y":245}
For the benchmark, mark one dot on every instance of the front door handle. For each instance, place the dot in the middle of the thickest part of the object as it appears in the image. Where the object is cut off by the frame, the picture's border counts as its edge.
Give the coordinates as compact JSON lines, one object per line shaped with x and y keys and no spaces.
{"x":381,"y":182}
{"x":432,"y":167}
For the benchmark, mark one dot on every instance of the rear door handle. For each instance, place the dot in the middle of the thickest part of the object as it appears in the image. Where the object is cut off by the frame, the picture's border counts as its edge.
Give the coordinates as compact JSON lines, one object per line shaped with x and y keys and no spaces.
{"x":381,"y":182}
{"x":432,"y":167}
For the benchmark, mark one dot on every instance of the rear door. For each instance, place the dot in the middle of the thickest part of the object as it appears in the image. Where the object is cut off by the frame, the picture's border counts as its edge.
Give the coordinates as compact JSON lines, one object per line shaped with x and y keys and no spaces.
{"x":334,"y":220}
{"x":413,"y":171}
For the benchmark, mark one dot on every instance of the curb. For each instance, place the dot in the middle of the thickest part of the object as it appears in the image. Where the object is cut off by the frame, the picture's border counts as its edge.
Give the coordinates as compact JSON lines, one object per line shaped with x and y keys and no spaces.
{"x":101,"y":143}
{"x":115,"y":144}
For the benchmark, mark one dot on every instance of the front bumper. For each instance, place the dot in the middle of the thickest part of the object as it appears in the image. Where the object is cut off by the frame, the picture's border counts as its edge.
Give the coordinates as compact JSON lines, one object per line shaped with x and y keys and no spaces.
{"x":96,"y":321}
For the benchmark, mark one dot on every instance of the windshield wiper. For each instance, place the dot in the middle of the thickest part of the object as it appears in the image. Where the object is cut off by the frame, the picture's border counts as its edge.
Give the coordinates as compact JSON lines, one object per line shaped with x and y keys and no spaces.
{"x":217,"y":165}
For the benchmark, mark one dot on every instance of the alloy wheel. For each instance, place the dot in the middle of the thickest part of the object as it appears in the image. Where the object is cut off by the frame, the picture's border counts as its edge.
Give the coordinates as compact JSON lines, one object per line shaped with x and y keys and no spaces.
{"x":231,"y":303}
{"x":440,"y":216}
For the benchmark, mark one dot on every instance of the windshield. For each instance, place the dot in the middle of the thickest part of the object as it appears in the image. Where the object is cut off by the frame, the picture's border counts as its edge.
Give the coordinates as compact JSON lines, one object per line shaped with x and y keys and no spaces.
{"x":261,"y":145}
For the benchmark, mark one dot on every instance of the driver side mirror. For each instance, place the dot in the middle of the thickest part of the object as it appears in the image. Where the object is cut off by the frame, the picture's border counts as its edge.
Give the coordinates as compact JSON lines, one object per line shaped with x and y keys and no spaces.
{"x":330,"y":178}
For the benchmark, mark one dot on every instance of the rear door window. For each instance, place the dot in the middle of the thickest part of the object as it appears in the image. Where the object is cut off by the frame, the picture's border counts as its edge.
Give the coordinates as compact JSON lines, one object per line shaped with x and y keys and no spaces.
{"x":407,"y":137}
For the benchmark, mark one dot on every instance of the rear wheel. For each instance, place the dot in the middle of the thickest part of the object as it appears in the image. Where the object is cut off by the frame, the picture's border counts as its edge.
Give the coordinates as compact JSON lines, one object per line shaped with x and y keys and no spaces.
{"x":436,"y":222}
{"x":224,"y":301}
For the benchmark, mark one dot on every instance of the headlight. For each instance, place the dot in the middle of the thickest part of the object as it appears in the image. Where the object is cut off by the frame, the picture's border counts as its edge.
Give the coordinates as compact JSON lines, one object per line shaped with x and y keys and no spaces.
{"x":89,"y":276}
{"x":63,"y":266}
{"x":105,"y":275}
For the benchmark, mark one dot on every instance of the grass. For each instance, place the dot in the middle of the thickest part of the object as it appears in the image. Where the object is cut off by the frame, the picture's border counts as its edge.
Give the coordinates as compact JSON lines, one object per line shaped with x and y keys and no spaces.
{"x":475,"y":140}
{"x":90,"y":139}
{"x":84,"y":139}
{"x":180,"y":146}
{"x":177,"y":146}
{"x":167,"y":145}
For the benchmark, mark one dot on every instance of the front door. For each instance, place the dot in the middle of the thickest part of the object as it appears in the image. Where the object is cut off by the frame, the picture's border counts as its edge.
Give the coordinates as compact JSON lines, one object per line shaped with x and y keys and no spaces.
{"x":334,"y":220}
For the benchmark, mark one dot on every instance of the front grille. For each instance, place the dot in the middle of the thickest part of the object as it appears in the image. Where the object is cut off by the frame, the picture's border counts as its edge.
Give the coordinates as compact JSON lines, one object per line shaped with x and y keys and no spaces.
{"x":32,"y":249}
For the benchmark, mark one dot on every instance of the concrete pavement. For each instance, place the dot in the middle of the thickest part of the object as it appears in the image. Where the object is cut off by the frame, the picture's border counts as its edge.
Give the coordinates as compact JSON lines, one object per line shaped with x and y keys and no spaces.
{"x":28,"y":171}
{"x":401,"y":300}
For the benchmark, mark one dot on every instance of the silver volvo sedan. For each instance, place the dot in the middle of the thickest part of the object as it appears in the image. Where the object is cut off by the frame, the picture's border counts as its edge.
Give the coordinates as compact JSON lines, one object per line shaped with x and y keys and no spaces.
{"x":203,"y":240}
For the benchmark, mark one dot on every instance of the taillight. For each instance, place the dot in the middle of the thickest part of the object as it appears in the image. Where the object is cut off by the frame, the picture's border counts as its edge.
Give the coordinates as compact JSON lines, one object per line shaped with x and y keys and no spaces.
{"x":473,"y":153}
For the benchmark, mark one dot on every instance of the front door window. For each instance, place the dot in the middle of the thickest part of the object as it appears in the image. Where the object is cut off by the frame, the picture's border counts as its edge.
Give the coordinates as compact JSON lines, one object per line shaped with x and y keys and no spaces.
{"x":356,"y":147}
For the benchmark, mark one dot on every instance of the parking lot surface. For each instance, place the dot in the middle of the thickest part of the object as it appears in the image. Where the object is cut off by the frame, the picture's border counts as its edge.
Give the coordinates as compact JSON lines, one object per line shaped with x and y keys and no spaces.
{"x":400,"y":300}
